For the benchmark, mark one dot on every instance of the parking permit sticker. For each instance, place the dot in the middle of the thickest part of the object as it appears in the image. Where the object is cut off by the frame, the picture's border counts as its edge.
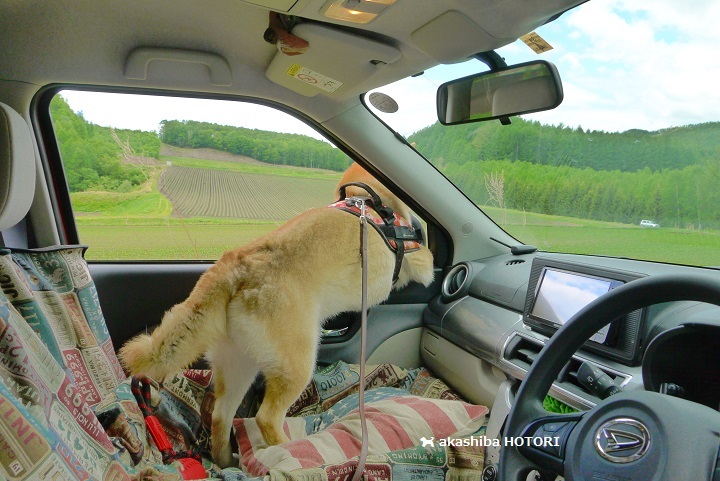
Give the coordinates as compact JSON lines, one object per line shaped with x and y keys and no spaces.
{"x":313,"y":78}
{"x":536,"y":42}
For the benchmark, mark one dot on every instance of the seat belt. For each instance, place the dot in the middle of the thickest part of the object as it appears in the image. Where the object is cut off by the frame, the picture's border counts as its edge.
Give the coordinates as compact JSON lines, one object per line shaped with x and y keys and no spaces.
{"x":360,"y":470}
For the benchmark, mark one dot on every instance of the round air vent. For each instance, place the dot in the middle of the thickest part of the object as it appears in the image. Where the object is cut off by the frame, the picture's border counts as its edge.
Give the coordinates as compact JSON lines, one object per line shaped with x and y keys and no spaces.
{"x":456,"y":282}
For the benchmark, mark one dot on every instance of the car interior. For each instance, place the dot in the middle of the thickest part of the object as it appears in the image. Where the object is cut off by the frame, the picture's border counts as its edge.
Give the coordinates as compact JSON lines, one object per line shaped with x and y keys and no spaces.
{"x":623,"y":348}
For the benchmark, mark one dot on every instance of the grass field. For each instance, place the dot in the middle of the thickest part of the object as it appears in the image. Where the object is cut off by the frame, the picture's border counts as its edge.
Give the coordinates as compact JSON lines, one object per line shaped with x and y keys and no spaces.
{"x":187,"y":241}
{"x":143,"y":224}
{"x":279,"y":170}
{"x":583,"y":236}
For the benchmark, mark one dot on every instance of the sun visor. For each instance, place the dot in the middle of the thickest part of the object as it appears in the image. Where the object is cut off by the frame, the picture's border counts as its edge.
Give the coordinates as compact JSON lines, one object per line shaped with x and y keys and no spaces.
{"x":334,"y":63}
{"x":452,"y":37}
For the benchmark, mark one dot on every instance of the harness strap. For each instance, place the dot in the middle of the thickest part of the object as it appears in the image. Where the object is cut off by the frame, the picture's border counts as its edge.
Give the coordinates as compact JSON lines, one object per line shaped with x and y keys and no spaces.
{"x":190,"y":460}
{"x":398,"y":261}
{"x":387,"y":214}
{"x":394,"y":235}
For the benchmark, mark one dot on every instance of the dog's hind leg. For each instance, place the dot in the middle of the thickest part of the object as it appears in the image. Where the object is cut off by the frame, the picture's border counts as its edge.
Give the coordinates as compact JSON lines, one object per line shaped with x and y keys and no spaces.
{"x":284,"y":382}
{"x":234,"y":372}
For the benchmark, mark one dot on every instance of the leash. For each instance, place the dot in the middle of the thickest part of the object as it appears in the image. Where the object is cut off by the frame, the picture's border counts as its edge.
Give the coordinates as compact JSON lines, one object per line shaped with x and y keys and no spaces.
{"x":394,"y":230}
{"x":360,"y":470}
{"x":190,"y":460}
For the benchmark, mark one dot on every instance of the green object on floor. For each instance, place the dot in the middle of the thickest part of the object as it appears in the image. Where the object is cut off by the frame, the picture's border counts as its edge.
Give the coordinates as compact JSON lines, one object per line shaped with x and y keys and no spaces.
{"x":555,"y":406}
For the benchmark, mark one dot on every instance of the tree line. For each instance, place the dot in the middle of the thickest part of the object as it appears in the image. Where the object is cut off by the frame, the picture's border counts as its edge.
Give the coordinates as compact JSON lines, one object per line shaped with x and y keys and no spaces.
{"x":531,"y":141}
{"x":669,"y":176}
{"x":271,"y":147}
{"x":93,"y":160}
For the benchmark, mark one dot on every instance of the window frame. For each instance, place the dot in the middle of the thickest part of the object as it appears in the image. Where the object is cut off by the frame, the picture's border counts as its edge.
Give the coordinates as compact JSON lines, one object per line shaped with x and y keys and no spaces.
{"x":59,"y":192}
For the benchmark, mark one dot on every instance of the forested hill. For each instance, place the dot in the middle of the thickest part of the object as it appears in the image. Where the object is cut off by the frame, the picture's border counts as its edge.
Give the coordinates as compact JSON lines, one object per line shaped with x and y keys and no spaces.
{"x":529,"y":141}
{"x":97,"y":159}
{"x":265,"y":146}
{"x":93,"y":159}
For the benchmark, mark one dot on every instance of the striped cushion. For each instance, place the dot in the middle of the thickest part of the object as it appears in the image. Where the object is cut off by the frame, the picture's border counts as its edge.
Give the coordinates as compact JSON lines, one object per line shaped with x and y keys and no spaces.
{"x":394,"y":423}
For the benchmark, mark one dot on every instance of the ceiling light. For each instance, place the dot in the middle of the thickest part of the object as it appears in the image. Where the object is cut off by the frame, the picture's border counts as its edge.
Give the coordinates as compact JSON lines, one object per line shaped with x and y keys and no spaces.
{"x":355,"y":11}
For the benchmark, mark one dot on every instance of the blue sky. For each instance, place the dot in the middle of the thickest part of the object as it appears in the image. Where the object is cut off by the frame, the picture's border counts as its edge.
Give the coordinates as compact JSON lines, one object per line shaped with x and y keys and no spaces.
{"x":647,"y":64}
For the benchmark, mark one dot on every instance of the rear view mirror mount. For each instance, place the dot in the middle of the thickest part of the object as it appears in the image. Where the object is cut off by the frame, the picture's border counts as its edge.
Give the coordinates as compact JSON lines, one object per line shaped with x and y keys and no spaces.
{"x":518,"y":89}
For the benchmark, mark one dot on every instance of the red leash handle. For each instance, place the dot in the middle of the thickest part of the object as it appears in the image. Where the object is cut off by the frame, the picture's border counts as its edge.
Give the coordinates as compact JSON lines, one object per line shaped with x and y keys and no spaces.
{"x":190,"y":465}
{"x":158,"y":433}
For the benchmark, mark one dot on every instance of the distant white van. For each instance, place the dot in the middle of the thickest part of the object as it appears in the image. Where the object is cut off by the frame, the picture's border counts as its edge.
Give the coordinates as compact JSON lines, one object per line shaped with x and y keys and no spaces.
{"x":648,"y":223}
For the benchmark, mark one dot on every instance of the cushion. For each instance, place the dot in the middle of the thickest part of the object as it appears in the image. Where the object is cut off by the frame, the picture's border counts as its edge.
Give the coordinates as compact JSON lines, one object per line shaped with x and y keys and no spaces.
{"x":396,"y":421}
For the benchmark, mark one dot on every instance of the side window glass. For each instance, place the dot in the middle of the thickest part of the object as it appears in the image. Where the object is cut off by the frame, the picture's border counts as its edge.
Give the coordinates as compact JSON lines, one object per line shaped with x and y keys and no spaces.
{"x":159,"y":178}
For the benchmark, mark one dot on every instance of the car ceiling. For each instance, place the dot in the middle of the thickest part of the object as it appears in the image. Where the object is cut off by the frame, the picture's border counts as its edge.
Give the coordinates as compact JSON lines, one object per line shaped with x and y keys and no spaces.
{"x":88,"y":41}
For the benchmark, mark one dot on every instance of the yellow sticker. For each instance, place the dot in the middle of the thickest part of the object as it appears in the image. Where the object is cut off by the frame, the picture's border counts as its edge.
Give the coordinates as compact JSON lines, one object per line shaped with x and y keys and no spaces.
{"x":294,"y":68}
{"x":536,"y":42}
{"x":316,"y":79}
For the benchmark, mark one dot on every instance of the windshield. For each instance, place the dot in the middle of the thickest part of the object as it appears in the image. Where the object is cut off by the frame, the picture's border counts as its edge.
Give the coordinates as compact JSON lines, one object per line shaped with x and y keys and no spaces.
{"x":628,"y":165}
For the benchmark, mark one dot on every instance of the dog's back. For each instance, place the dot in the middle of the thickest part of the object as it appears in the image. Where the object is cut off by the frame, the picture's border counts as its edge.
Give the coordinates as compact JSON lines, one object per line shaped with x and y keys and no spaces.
{"x":260,"y":308}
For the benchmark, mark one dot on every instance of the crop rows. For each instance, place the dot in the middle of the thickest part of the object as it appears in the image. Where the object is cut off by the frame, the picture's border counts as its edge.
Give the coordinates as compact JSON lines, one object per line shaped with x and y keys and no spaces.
{"x":197,"y":192}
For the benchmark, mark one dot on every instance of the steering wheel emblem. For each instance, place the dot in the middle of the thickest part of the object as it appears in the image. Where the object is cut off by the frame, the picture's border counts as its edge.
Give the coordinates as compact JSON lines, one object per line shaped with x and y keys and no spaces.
{"x":622,"y":440}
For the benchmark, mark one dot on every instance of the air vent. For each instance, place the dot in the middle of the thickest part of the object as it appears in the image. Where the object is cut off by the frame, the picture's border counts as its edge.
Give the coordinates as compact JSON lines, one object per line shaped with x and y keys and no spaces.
{"x":456,"y":282}
{"x":522,"y":352}
{"x":514,"y":262}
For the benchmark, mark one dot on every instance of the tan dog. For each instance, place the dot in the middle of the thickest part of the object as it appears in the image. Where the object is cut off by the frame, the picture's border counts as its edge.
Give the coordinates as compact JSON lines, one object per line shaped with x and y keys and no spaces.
{"x":260,"y":309}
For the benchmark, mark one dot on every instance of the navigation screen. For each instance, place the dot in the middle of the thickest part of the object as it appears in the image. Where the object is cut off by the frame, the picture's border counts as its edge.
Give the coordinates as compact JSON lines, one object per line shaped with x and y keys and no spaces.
{"x":562,"y":294}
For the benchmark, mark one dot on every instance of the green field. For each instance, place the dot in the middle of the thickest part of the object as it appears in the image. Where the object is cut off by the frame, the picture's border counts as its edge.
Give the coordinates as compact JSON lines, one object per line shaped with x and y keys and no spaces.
{"x":190,"y":241}
{"x":144,"y":224}
{"x":214,"y":208}
{"x":582,"y":236}
{"x":284,"y":171}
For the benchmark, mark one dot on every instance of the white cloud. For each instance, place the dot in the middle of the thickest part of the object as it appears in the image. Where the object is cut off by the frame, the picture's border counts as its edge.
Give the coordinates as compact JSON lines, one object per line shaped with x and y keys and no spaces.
{"x":145,"y":112}
{"x":651,"y":64}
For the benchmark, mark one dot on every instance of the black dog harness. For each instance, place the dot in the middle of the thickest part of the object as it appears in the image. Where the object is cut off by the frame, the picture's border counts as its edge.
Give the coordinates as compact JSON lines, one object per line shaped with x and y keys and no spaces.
{"x":399,"y":234}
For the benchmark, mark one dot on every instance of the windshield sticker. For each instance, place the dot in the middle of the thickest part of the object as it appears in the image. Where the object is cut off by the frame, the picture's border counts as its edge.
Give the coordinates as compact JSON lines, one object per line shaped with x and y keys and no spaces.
{"x":536,"y":42}
{"x":313,"y":78}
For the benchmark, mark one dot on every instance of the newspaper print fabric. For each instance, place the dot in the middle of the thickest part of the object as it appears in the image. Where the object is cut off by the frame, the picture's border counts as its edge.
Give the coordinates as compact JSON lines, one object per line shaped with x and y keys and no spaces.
{"x":335,"y":382}
{"x":59,"y":378}
{"x":54,"y":292}
{"x":48,"y":429}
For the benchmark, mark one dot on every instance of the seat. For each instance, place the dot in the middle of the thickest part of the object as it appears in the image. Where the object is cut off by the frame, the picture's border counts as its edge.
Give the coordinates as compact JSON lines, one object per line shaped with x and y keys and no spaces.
{"x":67,"y":410}
{"x":17,"y":167}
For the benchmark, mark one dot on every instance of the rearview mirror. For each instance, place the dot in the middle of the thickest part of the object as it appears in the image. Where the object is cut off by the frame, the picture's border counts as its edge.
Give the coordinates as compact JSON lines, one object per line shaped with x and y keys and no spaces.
{"x":519,"y":89}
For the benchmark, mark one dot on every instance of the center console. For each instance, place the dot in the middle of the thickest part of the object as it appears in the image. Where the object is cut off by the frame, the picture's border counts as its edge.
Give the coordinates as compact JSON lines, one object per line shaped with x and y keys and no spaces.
{"x":557,"y":290}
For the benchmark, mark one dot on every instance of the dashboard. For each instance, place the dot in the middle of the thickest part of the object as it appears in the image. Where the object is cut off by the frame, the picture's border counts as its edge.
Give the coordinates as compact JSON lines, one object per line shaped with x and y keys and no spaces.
{"x":502,"y":310}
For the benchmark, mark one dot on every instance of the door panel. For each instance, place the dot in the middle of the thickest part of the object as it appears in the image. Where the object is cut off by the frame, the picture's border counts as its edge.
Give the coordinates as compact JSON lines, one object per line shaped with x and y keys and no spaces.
{"x":134,"y":297}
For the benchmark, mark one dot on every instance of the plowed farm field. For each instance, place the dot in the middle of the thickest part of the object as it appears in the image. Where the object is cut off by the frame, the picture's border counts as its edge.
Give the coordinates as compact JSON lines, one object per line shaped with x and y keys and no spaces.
{"x":196,"y":192}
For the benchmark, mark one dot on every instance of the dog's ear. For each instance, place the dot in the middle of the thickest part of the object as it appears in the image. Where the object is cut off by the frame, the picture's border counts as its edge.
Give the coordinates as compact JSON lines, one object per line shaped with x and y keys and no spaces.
{"x":355,"y":173}
{"x":416,"y":266}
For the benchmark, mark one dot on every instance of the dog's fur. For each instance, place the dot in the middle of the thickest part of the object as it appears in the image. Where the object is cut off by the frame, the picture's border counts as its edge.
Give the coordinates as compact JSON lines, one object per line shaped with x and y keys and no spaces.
{"x":261,"y":306}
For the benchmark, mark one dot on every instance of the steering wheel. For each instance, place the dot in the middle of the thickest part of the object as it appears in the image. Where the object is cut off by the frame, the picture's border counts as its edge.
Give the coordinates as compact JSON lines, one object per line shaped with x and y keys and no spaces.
{"x":630,"y":436}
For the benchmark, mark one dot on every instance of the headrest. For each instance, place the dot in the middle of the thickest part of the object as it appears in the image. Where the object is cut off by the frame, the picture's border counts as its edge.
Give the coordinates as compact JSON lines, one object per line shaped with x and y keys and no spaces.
{"x":17,"y":167}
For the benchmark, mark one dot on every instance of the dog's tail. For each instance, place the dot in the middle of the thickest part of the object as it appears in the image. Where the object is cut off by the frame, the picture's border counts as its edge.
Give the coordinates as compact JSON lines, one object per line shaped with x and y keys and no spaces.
{"x":187,"y":330}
